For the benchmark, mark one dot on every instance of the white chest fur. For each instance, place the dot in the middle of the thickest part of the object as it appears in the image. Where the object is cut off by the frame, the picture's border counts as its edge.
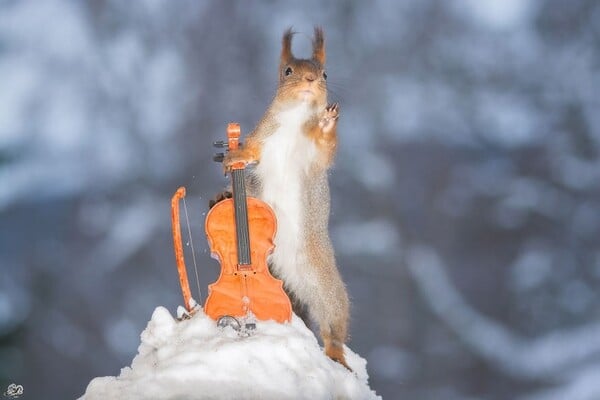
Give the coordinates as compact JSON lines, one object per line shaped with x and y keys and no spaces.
{"x":286,"y":155}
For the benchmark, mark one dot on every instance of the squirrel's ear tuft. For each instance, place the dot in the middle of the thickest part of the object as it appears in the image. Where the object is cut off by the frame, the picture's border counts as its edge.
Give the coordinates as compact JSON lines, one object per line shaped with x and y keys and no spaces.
{"x":286,"y":46}
{"x":319,"y":45}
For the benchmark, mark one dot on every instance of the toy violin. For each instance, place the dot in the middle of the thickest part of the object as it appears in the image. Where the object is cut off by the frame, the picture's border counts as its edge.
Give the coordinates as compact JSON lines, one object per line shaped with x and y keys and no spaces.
{"x":240,"y":232}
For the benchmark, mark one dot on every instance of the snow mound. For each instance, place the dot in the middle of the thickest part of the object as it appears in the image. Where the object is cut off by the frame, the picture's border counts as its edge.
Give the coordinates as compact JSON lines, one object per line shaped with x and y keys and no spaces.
{"x":194,"y":359}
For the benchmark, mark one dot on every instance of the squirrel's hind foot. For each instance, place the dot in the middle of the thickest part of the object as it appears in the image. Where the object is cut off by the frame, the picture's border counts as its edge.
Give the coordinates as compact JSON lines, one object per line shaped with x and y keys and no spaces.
{"x":336,"y":353}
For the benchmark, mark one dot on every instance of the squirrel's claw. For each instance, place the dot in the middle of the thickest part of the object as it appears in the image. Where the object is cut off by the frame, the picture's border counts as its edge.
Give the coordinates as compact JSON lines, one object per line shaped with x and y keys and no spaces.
{"x":334,"y":109}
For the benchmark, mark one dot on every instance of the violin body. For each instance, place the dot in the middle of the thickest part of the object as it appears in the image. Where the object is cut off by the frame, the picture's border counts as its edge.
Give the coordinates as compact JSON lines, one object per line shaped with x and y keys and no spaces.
{"x":241,"y":233}
{"x":239,"y":290}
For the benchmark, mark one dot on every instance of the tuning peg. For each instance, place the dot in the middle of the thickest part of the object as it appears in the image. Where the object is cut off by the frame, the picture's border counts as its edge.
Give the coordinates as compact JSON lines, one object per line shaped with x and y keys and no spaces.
{"x":220,"y":144}
{"x":219,"y":157}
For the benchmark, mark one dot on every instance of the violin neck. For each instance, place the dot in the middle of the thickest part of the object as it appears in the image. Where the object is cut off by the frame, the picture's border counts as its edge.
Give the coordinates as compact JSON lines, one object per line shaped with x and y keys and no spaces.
{"x":241,"y":217}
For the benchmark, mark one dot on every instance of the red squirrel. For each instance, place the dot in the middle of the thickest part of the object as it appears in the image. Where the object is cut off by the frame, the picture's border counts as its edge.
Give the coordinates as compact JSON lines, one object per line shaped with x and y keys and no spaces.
{"x":293,"y":147}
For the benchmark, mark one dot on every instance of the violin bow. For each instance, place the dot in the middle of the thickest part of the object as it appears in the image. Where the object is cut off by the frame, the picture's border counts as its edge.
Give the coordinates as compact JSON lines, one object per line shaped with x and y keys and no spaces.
{"x":178,"y":245}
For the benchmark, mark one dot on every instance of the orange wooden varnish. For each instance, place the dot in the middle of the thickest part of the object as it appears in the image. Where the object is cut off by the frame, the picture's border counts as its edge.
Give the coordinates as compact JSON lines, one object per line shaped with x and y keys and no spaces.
{"x":237,"y":290}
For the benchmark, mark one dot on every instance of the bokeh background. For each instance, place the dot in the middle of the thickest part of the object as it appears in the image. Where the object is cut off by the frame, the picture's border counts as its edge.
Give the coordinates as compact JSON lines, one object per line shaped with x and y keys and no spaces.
{"x":465,"y":197}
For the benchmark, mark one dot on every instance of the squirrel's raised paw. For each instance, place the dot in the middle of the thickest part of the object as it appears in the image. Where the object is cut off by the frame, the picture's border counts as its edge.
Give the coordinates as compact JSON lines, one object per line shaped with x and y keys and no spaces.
{"x":329,"y":118}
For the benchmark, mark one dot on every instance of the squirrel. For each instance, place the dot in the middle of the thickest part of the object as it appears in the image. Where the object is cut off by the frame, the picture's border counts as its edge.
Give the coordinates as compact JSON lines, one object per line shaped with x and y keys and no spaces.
{"x":292,"y":148}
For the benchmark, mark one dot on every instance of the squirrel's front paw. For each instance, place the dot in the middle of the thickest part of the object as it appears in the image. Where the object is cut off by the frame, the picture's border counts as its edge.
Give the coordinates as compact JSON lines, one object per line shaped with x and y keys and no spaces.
{"x":236,"y":159}
{"x":329,"y":118}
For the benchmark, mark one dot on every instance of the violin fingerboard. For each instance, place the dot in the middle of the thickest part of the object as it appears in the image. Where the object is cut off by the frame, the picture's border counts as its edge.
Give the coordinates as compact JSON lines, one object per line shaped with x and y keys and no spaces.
{"x":241,"y":217}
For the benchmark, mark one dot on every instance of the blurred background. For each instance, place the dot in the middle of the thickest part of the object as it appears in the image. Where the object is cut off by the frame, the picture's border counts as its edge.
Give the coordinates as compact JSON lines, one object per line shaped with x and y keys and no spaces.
{"x":465,"y":197}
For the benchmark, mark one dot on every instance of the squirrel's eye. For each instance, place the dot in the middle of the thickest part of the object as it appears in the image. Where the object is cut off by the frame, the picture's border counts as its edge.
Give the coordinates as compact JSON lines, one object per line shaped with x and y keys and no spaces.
{"x":325,"y":75}
{"x":288,"y":71}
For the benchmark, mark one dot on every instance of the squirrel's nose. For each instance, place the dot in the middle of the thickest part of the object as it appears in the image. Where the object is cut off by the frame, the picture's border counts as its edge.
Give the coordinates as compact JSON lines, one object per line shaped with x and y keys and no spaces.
{"x":310,"y":76}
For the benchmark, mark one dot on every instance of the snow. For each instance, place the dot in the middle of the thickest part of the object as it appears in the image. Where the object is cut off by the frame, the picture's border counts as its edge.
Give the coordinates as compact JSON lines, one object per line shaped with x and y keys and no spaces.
{"x":194,"y":359}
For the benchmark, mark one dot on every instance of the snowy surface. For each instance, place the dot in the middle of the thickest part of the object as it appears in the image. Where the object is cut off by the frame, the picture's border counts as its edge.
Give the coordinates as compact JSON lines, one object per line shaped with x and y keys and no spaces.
{"x":194,"y":359}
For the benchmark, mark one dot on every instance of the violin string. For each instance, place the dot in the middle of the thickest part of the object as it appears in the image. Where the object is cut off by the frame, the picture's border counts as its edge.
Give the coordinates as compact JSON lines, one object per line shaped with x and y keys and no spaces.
{"x":189,"y":229}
